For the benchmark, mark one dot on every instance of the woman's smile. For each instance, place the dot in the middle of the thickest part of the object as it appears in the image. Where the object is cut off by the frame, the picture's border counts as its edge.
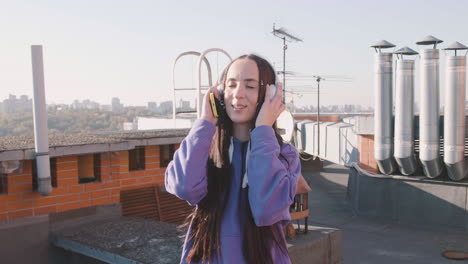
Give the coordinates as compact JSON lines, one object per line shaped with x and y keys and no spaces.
{"x":238,"y":107}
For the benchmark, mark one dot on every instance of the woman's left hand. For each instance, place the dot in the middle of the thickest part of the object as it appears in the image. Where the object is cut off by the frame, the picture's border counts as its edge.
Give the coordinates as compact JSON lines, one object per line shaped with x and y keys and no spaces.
{"x":271,"y":108}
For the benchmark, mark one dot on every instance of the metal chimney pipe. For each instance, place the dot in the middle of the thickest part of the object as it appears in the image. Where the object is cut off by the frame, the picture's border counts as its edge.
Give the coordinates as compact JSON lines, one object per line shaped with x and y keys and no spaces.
{"x":404,"y":113}
{"x":383,"y":134}
{"x":429,"y":113}
{"x":429,"y":109}
{"x":454,"y":113}
{"x":41,"y":138}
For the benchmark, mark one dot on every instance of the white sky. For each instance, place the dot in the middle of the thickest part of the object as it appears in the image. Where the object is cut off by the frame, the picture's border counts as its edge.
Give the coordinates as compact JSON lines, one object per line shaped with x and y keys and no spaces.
{"x":106,"y":48}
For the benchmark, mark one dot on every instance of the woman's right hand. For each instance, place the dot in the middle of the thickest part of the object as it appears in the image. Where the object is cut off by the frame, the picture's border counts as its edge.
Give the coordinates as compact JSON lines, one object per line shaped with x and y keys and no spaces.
{"x":207,"y":113}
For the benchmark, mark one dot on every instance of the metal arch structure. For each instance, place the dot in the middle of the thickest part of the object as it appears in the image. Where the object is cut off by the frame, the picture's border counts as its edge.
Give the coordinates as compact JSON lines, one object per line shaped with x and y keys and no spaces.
{"x":208,"y":66}
{"x":202,"y":58}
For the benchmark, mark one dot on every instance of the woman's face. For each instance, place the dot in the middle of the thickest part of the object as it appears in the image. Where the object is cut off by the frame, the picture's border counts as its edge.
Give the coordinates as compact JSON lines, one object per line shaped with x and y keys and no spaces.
{"x":241,"y":90}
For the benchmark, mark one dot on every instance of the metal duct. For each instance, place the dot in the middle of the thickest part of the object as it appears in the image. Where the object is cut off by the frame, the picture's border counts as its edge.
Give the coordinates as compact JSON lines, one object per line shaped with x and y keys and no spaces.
{"x":383,"y":138}
{"x":41,"y":138}
{"x":301,"y":138}
{"x":429,"y":113}
{"x":404,"y":116}
{"x":454,"y":115}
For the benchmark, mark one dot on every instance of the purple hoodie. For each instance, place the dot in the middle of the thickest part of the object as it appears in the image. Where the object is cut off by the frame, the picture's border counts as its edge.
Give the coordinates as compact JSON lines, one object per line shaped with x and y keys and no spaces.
{"x":272,"y":181}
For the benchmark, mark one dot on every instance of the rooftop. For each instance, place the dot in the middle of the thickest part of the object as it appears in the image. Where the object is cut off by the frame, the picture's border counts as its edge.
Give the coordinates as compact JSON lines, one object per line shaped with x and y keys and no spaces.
{"x":371,"y":239}
{"x":22,"y":147}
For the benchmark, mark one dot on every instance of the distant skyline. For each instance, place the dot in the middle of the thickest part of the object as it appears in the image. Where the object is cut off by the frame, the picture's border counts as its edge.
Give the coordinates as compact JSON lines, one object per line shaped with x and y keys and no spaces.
{"x":102,"y":49}
{"x":23,"y":103}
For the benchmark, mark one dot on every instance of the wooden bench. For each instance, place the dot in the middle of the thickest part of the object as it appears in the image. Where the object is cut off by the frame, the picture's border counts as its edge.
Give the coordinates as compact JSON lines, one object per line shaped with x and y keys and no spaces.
{"x":171,"y":208}
{"x":154,"y":203}
{"x":300,"y":208}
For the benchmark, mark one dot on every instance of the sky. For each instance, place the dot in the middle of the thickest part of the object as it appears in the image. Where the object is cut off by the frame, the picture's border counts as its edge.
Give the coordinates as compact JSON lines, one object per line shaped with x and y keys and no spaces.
{"x":101,"y":49}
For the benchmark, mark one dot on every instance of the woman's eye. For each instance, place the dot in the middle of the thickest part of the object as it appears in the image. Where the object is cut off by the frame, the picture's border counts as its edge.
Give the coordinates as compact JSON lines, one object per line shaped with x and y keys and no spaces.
{"x":250,"y":87}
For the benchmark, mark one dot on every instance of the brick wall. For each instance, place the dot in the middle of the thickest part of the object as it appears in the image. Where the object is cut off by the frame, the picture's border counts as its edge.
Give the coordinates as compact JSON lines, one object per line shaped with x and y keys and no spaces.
{"x":366,"y":153}
{"x":22,"y":201}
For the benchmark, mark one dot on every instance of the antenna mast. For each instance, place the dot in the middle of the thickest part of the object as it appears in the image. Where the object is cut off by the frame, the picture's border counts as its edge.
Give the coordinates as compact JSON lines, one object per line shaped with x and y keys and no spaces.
{"x":283,"y":34}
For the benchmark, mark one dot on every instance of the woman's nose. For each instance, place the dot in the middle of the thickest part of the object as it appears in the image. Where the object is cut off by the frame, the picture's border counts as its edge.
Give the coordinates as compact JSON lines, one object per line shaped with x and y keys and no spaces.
{"x":239,"y":91}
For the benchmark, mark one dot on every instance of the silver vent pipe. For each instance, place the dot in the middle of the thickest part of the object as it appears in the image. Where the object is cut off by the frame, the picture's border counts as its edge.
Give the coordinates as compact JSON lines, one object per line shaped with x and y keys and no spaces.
{"x":383,"y":134}
{"x":41,"y":139}
{"x":429,"y":108}
{"x":454,"y":113}
{"x":404,"y":112}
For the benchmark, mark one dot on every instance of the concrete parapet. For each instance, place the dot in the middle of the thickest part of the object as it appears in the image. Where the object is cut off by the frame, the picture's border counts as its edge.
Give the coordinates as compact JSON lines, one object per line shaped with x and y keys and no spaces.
{"x":412,"y":200}
{"x":135,"y":240}
{"x":320,"y":245}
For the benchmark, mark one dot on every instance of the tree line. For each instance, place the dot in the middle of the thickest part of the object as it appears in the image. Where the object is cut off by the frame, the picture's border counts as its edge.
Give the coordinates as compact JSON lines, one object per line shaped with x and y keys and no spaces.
{"x":71,"y":121}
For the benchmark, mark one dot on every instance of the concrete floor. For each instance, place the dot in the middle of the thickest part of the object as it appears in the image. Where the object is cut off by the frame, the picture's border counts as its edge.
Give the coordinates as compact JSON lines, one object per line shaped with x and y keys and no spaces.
{"x":370,"y":240}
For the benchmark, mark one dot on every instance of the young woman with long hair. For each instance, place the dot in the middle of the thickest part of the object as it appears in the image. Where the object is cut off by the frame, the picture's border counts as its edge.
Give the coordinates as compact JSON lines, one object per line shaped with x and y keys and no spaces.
{"x":237,"y":172}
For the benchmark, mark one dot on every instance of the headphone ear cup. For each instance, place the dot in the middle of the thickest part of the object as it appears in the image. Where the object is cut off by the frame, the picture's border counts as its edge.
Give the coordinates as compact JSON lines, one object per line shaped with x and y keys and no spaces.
{"x":221,"y":101}
{"x":221,"y":107}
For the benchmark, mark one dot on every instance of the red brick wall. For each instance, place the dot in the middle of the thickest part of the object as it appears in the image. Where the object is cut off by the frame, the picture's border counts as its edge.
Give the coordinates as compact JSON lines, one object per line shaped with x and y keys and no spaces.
{"x":21,"y":201}
{"x":366,"y":153}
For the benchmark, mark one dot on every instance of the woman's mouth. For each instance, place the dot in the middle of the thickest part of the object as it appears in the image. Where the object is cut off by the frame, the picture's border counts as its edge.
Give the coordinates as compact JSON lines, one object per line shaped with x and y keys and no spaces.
{"x":238,"y":107}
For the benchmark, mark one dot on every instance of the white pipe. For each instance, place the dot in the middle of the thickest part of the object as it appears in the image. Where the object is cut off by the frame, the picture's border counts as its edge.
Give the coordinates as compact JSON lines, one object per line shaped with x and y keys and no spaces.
{"x":429,"y":113}
{"x":202,"y":57}
{"x":454,"y":117}
{"x":41,"y":138}
{"x":404,"y":116}
{"x":383,"y":133}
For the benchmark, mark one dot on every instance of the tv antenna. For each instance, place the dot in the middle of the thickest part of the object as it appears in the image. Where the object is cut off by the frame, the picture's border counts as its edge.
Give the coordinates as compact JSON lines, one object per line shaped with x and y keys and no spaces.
{"x":318,"y":79}
{"x":283,"y":34}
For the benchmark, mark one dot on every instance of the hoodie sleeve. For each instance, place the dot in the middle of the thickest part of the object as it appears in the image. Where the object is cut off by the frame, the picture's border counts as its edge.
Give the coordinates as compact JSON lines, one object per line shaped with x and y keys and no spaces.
{"x":186,"y":174}
{"x":273,"y":173}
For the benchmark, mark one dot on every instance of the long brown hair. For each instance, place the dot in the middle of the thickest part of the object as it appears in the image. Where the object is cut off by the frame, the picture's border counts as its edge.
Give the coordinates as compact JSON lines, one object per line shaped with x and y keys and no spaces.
{"x":207,"y":216}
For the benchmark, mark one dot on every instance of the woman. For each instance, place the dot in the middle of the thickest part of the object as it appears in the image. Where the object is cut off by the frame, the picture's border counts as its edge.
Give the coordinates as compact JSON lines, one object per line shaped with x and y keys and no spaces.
{"x":238,"y":173}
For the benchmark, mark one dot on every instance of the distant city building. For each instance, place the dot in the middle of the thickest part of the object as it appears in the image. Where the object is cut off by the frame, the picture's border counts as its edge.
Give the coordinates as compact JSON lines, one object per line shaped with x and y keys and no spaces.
{"x":152,"y":106}
{"x":13,"y":104}
{"x":116,"y":105}
{"x":86,"y":104}
{"x":57,"y":107}
{"x":165,"y":107}
{"x":127,"y":126}
{"x":106,"y":107}
{"x":184,"y":106}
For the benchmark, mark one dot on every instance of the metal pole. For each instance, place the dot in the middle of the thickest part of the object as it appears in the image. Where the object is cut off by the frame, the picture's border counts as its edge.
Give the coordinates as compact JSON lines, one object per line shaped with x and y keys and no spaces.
{"x":284,"y":69}
{"x":41,"y":137}
{"x":318,"y":116}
